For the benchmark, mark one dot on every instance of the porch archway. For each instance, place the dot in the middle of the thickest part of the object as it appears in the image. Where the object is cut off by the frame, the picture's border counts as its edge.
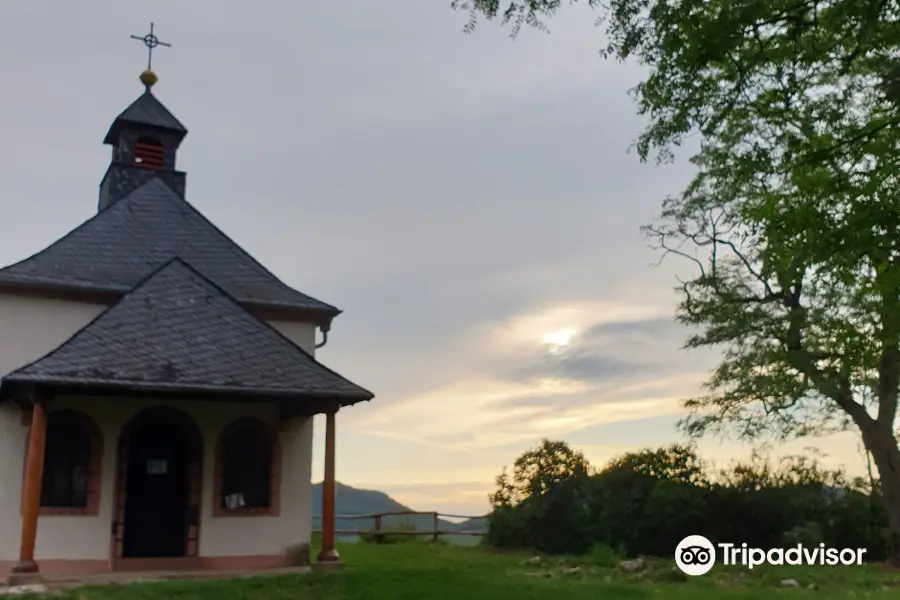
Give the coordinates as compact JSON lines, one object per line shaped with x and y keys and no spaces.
{"x":158,"y":484}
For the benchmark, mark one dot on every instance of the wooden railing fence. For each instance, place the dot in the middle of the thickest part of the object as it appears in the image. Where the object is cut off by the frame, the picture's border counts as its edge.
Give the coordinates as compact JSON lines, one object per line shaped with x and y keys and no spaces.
{"x":377,"y":530}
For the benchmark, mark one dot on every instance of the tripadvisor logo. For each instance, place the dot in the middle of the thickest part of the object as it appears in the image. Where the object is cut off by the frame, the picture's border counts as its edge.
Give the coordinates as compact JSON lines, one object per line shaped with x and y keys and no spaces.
{"x":696,"y":555}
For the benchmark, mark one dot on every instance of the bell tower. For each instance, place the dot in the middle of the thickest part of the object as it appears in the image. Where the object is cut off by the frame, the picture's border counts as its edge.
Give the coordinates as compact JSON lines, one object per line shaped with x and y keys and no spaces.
{"x":144,"y":139}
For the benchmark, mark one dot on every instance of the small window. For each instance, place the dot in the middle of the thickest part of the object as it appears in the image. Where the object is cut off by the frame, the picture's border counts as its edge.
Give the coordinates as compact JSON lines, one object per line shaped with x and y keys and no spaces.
{"x":148,"y":153}
{"x":67,"y":462}
{"x":246,"y":467}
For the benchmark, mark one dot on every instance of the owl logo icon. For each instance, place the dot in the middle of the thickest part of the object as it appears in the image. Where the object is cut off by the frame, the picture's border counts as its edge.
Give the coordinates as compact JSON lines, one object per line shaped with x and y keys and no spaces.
{"x":695,"y":555}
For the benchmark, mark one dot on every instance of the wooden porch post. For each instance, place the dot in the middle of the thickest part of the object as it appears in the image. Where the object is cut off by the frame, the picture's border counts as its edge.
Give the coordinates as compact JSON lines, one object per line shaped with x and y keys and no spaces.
{"x":328,"y":554}
{"x":26,"y":569}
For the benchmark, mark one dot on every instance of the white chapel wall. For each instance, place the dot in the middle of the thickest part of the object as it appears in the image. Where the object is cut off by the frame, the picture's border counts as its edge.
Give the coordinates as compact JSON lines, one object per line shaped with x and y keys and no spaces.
{"x":32,"y":327}
{"x":29,"y":328}
{"x":302,"y":334}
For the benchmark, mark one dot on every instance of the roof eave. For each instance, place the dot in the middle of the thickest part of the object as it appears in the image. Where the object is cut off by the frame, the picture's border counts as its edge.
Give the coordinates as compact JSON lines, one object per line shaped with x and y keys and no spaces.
{"x":112,"y":135}
{"x":74,"y":384}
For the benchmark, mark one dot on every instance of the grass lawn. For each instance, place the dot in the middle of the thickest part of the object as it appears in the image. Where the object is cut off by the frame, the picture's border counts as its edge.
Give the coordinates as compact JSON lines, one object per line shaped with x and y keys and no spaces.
{"x":418,"y":570}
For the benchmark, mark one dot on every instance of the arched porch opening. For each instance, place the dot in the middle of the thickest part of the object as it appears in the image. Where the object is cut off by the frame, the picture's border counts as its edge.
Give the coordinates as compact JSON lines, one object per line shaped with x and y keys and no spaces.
{"x":158,"y":483}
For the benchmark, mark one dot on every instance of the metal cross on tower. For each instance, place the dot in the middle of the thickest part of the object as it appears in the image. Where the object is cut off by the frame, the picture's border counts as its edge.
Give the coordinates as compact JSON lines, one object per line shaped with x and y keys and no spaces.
{"x":151,"y":41}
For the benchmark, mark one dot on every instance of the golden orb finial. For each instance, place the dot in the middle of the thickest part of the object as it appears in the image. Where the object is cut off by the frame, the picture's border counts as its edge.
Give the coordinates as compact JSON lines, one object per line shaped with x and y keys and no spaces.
{"x":149,"y":78}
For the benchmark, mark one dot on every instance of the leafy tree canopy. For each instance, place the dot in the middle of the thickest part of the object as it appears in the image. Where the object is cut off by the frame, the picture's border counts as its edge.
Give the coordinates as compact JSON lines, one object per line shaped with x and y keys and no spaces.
{"x":537,"y":471}
{"x":677,"y":463}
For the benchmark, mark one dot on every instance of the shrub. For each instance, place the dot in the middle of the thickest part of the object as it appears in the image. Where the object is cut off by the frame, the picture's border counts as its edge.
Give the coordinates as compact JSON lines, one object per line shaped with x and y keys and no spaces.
{"x":558,"y":519}
{"x":617,"y":497}
{"x":858,"y":520}
{"x":554,"y":522}
{"x":808,"y":534}
{"x":507,"y":528}
{"x":644,"y":503}
{"x":672,"y":511}
{"x":602,"y":555}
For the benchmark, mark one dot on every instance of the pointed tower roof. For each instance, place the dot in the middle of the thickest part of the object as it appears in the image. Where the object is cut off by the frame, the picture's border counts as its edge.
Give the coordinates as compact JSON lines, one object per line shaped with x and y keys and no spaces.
{"x":179,"y":332}
{"x":149,"y":112}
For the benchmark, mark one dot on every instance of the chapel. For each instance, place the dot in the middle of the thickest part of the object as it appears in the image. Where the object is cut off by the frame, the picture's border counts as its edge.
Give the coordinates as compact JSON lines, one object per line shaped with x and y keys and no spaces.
{"x":158,"y":385}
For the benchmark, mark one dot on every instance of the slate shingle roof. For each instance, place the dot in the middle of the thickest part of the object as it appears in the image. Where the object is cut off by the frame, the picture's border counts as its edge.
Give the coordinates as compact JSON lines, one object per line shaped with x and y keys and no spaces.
{"x":146,"y":110}
{"x":121,"y":245}
{"x":177,"y":331}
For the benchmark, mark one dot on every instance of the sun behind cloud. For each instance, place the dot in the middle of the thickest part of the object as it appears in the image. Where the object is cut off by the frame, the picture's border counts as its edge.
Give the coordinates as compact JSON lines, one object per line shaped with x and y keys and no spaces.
{"x":558,"y":324}
{"x":559,"y":338}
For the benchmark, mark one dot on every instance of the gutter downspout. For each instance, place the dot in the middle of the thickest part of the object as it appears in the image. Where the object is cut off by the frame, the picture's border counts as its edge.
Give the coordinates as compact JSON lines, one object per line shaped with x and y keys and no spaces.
{"x":324,"y":341}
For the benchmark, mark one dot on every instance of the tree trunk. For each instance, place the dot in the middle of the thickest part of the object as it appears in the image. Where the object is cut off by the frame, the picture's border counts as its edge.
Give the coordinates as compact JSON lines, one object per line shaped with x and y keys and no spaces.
{"x":886,"y":455}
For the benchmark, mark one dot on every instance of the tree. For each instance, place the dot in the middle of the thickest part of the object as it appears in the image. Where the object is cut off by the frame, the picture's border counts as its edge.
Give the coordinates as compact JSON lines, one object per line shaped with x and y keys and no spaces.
{"x":646,"y":501}
{"x":544,"y":505}
{"x":792,"y":222}
{"x":676,"y":463}
{"x":537,"y":471}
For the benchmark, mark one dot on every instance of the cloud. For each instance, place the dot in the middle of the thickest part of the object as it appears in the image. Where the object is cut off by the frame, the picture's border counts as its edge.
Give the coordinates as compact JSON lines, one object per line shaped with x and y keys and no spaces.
{"x":549,"y":371}
{"x":581,"y":364}
{"x":609,"y":350}
{"x":571,"y":318}
{"x":590,"y":342}
{"x":653,"y":328}
{"x":490,"y":414}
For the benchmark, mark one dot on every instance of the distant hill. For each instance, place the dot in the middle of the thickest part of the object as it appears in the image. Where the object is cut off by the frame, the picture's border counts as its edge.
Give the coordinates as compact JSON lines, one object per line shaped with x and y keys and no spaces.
{"x":352,"y":501}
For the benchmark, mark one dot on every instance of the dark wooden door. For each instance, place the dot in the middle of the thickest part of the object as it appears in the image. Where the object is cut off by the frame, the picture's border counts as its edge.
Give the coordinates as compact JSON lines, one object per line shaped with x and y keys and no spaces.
{"x":157,"y":491}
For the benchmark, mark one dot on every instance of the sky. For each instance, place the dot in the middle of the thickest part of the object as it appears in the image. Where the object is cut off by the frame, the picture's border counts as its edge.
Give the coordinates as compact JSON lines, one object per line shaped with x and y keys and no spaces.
{"x":469,"y":201}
